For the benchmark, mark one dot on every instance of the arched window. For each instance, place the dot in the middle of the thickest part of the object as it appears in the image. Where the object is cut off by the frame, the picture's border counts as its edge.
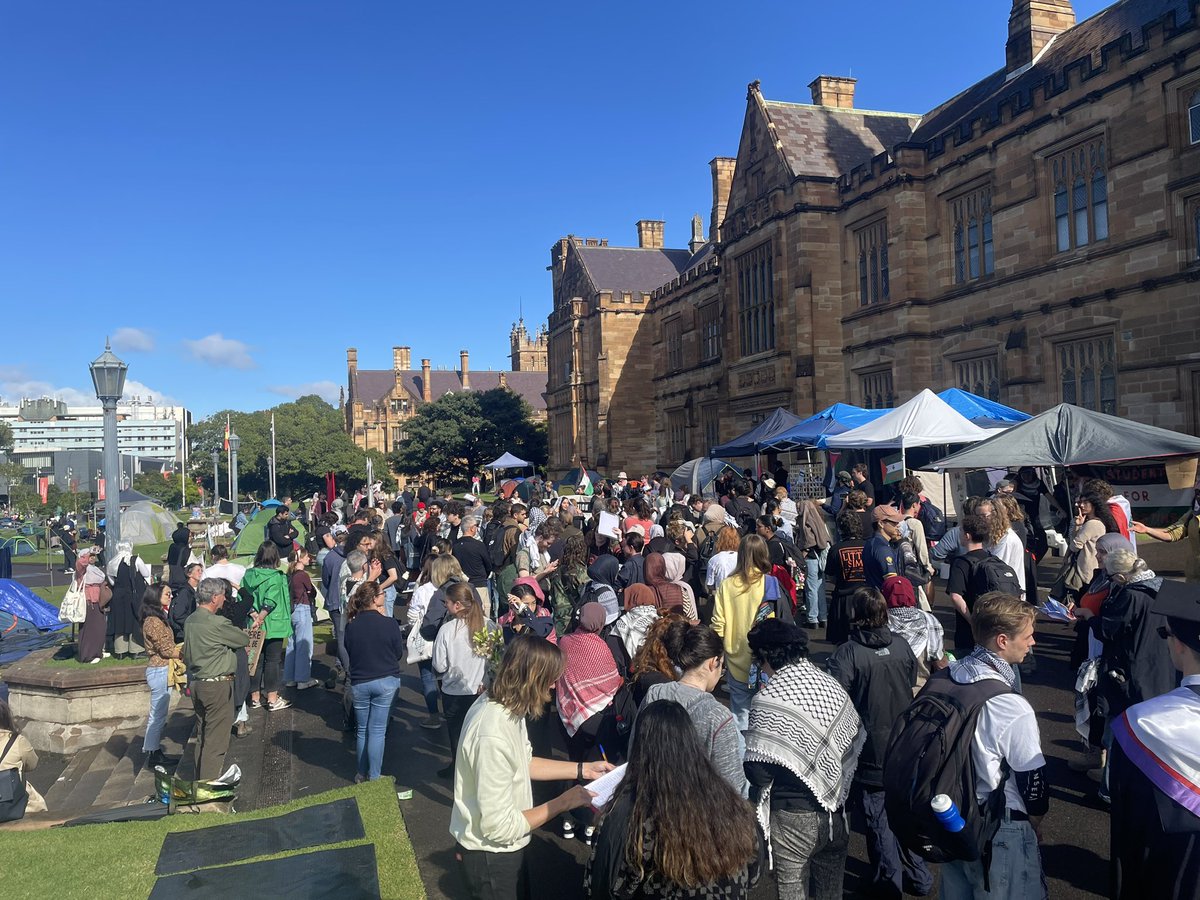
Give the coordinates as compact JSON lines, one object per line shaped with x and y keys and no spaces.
{"x":1062,"y":220}
{"x":989,"y":254}
{"x":973,"y":246}
{"x":1194,"y":118}
{"x":864,"y":296}
{"x":874,"y":276}
{"x":960,"y":259}
{"x":884,"y":277}
{"x":1100,"y":204}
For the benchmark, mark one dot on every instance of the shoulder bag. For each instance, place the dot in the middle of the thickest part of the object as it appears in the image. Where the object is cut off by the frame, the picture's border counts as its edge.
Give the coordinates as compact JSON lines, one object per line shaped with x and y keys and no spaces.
{"x":73,"y":608}
{"x":14,"y":796}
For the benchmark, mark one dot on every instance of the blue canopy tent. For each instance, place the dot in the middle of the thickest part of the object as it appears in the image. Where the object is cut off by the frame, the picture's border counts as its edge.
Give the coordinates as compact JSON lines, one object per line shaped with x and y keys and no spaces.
{"x":759,"y":437}
{"x":811,"y":432}
{"x":983,"y":412}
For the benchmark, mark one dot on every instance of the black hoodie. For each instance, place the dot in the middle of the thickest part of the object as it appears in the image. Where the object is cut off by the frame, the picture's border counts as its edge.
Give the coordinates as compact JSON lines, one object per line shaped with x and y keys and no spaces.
{"x":878,"y":671}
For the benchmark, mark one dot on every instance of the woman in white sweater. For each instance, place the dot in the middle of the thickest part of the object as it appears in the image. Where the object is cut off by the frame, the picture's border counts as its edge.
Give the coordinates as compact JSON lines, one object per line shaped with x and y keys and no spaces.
{"x":454,"y":658}
{"x":493,"y":809}
{"x":1003,"y":542}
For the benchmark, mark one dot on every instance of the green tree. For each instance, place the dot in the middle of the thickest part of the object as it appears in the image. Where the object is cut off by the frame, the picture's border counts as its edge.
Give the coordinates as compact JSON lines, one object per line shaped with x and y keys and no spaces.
{"x":6,"y":436}
{"x":454,"y":436}
{"x":165,"y":490}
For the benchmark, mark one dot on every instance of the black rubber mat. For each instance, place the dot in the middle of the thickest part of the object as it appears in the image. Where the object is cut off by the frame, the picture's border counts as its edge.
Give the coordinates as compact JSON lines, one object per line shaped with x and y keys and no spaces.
{"x":313,"y":826}
{"x":345,"y":874}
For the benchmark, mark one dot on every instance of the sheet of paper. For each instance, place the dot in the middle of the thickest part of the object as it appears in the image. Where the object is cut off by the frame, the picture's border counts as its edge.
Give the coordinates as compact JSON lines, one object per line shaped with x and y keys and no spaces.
{"x":606,"y":785}
{"x":1054,"y":610}
{"x":610,"y":525}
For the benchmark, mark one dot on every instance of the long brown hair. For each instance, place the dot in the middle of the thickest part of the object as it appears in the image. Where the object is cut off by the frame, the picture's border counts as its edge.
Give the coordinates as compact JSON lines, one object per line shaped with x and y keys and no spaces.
{"x":462,"y":593}
{"x":363,"y":599}
{"x":663,"y":641}
{"x":753,"y":561}
{"x":998,"y":523}
{"x":704,"y":832}
{"x":522,"y":683}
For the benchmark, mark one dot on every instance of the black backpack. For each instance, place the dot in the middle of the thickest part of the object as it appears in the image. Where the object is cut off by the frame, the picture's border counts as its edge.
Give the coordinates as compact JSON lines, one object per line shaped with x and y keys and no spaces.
{"x":930,"y":754}
{"x":706,"y":551}
{"x":992,"y":574}
{"x":933,"y":519}
{"x":495,"y":546}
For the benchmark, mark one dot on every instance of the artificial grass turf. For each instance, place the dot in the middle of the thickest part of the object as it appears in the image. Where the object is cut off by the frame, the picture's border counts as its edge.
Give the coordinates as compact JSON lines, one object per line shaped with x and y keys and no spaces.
{"x":118,"y":859}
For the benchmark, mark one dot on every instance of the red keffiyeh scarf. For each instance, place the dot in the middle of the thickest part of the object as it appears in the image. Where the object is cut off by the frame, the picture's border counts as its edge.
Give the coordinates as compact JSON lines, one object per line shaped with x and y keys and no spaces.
{"x":590,"y":680}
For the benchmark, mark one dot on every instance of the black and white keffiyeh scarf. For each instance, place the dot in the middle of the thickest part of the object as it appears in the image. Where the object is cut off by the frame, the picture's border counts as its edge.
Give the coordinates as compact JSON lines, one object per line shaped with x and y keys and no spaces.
{"x":982,"y":663}
{"x":801,"y":719}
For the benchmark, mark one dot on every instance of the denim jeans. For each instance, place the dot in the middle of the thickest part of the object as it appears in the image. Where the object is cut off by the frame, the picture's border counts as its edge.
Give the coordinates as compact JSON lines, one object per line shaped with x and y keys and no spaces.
{"x":429,"y":685}
{"x":389,"y":600}
{"x":372,"y":705}
{"x":297,"y":665}
{"x":814,"y":586}
{"x":160,"y":706}
{"x":740,"y":696}
{"x":338,"y":621}
{"x":810,"y":853}
{"x":1015,"y":874}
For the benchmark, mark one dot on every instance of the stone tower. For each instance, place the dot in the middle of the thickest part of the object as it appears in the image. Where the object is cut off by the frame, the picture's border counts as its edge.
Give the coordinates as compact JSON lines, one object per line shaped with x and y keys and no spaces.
{"x":528,"y":355}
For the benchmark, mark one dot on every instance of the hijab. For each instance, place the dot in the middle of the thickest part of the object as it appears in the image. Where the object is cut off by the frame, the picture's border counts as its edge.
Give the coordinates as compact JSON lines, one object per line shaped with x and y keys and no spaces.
{"x":669,"y":594}
{"x":675,"y":564}
{"x":640,"y":595}
{"x":604,"y":569}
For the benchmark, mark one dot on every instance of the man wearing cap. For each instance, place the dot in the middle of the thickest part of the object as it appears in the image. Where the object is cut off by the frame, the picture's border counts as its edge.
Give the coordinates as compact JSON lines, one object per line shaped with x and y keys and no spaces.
{"x":1155,"y":770}
{"x":880,"y":559}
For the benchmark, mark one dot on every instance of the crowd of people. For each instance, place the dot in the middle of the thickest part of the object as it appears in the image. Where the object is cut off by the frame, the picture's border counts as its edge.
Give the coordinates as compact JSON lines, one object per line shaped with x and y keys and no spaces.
{"x":551,"y":651}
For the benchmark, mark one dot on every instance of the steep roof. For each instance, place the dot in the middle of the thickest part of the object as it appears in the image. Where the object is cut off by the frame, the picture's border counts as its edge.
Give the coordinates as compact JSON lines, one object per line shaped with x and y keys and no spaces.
{"x":374,"y":384}
{"x":1086,"y":39}
{"x":631,"y":268}
{"x":826,"y":141}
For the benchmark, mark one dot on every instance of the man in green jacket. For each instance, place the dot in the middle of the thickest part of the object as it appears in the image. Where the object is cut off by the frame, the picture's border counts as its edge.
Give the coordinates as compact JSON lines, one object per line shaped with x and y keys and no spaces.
{"x":209,"y":642}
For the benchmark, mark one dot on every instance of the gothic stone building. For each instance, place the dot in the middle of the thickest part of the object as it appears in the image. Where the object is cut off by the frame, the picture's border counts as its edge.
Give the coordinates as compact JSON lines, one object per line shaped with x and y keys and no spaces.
{"x":1034,"y":239}
{"x":379,"y":402}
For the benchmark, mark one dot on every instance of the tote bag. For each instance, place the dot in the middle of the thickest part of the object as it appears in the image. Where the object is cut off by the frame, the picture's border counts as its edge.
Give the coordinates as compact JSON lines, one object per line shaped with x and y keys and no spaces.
{"x":13,"y":795}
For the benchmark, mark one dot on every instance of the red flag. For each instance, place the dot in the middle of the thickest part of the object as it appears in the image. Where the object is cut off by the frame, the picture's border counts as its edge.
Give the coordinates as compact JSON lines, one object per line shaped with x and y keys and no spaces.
{"x":44,"y":488}
{"x":226,"y":433}
{"x":330,"y":487}
{"x":100,"y":489}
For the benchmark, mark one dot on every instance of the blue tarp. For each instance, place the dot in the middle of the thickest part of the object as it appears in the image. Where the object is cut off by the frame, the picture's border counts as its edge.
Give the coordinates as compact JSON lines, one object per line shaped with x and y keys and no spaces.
{"x":23,"y":604}
{"x":832,"y":420}
{"x":759,"y":437}
{"x":983,"y":412}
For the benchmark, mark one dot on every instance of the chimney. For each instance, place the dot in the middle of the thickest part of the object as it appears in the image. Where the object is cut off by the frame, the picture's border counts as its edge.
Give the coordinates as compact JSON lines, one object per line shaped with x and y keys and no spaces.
{"x":397,"y":359}
{"x":503,"y":379}
{"x":650,"y":234}
{"x":462,"y":364}
{"x":426,"y":387}
{"x":697,"y":240}
{"x":722,"y":180}
{"x":352,"y":360}
{"x":1031,"y":26}
{"x":403,"y":361}
{"x":831,"y":90}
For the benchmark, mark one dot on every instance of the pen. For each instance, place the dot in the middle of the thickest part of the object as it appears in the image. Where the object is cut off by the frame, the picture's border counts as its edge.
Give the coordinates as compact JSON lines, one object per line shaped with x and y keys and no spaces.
{"x":603,"y":755}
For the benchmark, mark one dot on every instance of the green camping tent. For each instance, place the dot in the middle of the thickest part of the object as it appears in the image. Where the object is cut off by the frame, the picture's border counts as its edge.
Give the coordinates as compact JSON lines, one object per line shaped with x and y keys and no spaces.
{"x":255,"y":532}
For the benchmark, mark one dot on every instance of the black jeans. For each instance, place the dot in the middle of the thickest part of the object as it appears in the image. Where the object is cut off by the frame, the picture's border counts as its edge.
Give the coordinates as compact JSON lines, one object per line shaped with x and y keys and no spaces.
{"x":269,"y":675}
{"x":896,"y":870}
{"x":454,"y":708}
{"x":494,"y":876}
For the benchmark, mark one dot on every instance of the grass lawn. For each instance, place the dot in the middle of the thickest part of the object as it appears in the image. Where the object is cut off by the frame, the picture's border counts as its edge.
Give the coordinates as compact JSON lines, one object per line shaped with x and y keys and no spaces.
{"x":118,"y":859}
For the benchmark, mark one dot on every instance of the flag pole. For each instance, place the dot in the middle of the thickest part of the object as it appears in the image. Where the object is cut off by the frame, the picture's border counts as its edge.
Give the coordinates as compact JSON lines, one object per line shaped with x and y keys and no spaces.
{"x":274,"y":493}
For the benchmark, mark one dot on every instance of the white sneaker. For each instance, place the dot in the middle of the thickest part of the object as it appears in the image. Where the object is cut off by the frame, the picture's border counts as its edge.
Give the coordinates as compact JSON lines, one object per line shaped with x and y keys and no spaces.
{"x":305,"y":685}
{"x":289,"y":684}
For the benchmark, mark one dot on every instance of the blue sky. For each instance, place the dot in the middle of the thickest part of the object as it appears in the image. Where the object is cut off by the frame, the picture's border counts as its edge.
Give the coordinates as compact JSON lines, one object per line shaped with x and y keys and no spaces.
{"x":237,"y":192}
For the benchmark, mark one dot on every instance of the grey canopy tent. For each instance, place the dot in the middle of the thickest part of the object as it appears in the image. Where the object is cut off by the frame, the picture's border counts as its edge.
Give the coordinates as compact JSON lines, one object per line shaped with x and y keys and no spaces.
{"x":1071,"y":435}
{"x":697,"y":475}
{"x":759,"y":437}
{"x":508,"y":461}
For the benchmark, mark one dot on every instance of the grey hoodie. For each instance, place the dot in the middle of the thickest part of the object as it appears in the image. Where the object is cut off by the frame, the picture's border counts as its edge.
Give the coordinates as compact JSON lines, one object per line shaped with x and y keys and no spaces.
{"x":715,"y":726}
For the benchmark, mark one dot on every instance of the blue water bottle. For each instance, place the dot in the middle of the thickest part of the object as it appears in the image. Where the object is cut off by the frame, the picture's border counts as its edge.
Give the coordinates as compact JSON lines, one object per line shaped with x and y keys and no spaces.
{"x":947,"y":813}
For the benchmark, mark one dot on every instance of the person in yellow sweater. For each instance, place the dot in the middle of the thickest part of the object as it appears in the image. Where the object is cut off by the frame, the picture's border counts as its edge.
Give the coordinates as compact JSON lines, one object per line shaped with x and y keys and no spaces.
{"x":735,"y":610}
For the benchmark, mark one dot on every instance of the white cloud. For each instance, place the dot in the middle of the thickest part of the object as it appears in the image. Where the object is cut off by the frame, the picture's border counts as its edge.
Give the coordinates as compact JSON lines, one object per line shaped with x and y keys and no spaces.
{"x":221,"y":351}
{"x":14,"y":390}
{"x":132,"y":340}
{"x":326,"y":390}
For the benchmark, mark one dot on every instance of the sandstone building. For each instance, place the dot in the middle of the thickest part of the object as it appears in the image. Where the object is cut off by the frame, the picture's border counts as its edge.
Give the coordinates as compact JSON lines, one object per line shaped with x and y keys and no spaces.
{"x":1034,"y":239}
{"x":379,"y":402}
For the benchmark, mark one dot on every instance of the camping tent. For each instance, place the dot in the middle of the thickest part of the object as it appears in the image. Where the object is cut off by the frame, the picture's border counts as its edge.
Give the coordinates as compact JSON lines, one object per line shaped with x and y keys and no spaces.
{"x":27,"y":622}
{"x":983,"y":412}
{"x":255,"y":532}
{"x":697,"y":475}
{"x":1071,"y":435}
{"x":147,"y":523}
{"x":19,"y":546}
{"x":817,"y":428}
{"x":759,"y":437}
{"x":924,"y":421}
{"x":128,"y":498}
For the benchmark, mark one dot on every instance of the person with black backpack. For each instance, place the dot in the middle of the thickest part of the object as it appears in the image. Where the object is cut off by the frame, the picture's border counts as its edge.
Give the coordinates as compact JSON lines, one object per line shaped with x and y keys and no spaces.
{"x":969,"y":738}
{"x":973,"y":574}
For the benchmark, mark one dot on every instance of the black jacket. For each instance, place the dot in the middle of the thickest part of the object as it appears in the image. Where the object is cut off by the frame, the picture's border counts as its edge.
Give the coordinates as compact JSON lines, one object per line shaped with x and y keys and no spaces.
{"x":282,"y":532}
{"x":183,"y":604}
{"x":878,"y":671}
{"x":1135,"y":664}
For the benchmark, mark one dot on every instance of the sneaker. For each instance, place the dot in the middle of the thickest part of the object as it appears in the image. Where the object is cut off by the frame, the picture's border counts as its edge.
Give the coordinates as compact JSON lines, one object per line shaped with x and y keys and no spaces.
{"x":568,"y":831}
{"x":254,"y":704}
{"x":278,"y":704}
{"x":305,"y":685}
{"x":359,"y":777}
{"x":158,"y":758}
{"x":432,"y":722}
{"x":1083,"y":763}
{"x":589,"y":834}
{"x":289,"y":684}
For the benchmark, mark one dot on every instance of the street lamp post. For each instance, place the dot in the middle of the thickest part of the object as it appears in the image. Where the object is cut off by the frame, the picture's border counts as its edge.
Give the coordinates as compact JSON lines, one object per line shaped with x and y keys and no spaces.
{"x":234,"y":443}
{"x":108,"y":376}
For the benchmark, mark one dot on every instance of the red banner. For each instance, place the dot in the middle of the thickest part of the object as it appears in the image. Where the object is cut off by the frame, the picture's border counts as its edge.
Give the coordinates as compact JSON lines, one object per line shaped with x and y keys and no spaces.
{"x":100,"y":489}
{"x":74,"y":485}
{"x":44,"y":488}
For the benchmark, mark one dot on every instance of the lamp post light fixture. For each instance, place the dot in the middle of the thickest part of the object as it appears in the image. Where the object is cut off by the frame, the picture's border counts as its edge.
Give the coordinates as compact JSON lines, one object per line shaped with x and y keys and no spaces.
{"x":234,"y":443}
{"x":108,"y":376}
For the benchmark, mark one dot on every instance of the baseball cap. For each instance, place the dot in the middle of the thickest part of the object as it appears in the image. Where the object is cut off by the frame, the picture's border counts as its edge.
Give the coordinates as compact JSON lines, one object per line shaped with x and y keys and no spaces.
{"x":883,"y":513}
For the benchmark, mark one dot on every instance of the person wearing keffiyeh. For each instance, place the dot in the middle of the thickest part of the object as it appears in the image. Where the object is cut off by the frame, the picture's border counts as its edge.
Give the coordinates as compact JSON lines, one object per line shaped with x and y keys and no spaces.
{"x":802,"y":750}
{"x":921,"y":630}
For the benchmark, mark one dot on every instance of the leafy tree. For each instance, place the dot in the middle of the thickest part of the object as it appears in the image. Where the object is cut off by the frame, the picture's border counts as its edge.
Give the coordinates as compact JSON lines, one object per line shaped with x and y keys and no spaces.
{"x":310,"y":440}
{"x":454,"y":436}
{"x":165,"y":490}
{"x":6,"y":436}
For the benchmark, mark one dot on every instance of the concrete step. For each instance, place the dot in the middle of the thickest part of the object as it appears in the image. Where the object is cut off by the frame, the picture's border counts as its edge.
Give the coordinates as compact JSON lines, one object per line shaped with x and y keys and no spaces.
{"x":105,"y":763}
{"x":121,"y":776}
{"x":75,"y":770}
